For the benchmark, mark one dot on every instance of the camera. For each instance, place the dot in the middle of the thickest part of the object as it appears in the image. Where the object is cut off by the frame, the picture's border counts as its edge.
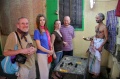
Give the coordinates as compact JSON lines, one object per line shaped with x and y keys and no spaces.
{"x":20,"y":58}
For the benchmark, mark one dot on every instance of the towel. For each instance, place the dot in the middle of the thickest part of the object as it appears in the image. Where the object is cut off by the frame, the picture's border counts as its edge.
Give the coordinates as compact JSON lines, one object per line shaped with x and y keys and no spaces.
{"x":97,"y":42}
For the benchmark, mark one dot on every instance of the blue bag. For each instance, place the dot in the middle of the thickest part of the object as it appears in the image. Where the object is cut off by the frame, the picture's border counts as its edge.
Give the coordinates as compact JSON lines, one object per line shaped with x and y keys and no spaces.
{"x":8,"y":65}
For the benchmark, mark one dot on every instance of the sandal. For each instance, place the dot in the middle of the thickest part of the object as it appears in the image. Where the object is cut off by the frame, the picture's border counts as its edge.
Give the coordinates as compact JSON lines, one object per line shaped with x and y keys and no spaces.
{"x":94,"y":76}
{"x":54,"y":77}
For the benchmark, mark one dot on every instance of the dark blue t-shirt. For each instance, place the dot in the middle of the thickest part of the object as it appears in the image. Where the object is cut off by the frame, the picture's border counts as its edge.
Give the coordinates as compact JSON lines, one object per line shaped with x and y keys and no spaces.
{"x":43,"y":40}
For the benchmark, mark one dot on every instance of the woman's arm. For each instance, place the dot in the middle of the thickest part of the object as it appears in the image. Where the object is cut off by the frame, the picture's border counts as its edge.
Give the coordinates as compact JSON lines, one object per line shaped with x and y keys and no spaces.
{"x":38,"y":43}
{"x":52,"y":43}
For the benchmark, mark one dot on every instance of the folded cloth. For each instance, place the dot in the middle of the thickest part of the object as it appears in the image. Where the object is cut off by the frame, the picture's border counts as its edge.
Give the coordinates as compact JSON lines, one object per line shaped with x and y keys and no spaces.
{"x":97,"y":42}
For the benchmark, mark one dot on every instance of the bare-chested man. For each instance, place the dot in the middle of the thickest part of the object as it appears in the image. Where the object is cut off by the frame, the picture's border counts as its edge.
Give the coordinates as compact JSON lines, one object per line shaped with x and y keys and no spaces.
{"x":96,"y":45}
{"x":101,"y":30}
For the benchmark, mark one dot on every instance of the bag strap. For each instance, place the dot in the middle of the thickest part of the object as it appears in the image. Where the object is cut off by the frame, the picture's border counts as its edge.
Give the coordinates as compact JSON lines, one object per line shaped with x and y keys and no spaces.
{"x":15,"y":37}
{"x":18,"y":39}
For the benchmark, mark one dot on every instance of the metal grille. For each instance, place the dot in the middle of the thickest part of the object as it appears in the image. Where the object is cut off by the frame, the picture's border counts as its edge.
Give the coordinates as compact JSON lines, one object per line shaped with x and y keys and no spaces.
{"x":72,"y":8}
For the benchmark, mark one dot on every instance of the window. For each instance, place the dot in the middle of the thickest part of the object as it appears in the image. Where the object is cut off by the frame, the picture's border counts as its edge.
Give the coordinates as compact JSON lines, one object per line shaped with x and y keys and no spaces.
{"x":74,"y":9}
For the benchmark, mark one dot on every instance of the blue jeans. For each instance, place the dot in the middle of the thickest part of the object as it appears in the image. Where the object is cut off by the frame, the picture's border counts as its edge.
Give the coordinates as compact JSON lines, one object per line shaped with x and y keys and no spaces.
{"x":59,"y":57}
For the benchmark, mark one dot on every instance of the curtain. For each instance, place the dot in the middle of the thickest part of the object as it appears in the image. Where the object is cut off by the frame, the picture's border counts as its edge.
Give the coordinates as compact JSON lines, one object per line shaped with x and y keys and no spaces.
{"x":111,"y":24}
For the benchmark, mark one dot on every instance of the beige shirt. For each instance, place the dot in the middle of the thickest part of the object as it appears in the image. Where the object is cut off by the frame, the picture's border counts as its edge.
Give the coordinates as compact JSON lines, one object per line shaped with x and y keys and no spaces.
{"x":10,"y":43}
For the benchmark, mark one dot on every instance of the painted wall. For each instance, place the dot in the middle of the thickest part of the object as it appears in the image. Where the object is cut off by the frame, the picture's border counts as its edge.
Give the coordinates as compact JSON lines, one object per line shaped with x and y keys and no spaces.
{"x":10,"y":11}
{"x":51,"y":14}
{"x":80,"y":46}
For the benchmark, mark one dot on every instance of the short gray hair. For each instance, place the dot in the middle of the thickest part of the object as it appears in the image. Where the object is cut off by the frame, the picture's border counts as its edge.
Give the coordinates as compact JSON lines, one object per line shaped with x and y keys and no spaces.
{"x":102,"y":17}
{"x":21,"y":18}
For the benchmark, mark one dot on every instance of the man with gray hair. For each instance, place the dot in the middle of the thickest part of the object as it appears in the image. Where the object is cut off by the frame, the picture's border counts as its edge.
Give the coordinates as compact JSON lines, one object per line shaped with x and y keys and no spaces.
{"x":25,"y":47}
{"x":96,"y":45}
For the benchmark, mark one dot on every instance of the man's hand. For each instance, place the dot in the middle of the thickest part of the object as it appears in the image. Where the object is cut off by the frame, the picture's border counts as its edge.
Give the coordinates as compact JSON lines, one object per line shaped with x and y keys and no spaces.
{"x":51,"y":52}
{"x":28,"y":51}
{"x":100,"y":49}
{"x":65,"y":43}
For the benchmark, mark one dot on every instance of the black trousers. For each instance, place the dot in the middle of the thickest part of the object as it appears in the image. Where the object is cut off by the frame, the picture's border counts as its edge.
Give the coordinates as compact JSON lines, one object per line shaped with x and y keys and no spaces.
{"x":70,"y":53}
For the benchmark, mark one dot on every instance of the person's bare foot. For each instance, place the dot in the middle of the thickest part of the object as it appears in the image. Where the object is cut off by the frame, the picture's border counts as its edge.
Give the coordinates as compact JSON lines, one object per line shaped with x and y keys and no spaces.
{"x":54,"y":76}
{"x":58,"y":75}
